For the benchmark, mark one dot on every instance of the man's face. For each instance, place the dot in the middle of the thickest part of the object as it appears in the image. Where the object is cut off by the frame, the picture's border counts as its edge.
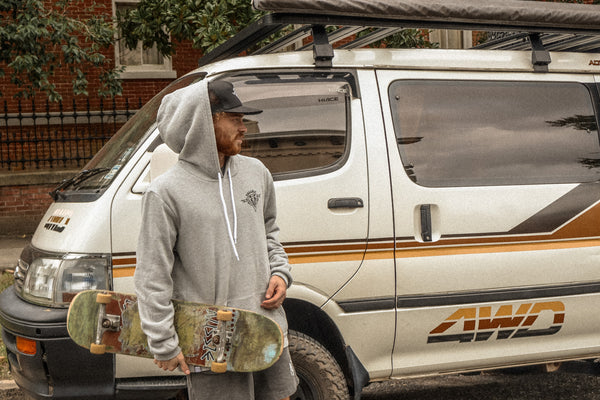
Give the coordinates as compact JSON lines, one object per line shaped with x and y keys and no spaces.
{"x":229,"y":132}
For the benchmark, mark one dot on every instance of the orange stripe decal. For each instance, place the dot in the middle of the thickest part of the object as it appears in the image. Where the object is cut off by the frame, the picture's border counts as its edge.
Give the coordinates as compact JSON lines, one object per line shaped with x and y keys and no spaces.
{"x":123,"y":272}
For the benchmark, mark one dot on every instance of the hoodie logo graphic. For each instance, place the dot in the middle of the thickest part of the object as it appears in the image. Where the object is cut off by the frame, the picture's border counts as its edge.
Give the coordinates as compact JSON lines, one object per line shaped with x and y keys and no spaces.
{"x":252,"y":198}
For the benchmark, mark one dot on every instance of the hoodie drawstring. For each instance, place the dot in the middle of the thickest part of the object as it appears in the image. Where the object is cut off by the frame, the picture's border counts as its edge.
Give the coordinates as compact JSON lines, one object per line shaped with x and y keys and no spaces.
{"x":232,"y":235}
{"x":235,"y":221}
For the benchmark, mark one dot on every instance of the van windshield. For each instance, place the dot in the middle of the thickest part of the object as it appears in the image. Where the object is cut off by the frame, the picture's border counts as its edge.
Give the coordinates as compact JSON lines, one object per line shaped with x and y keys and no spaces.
{"x":102,"y":169}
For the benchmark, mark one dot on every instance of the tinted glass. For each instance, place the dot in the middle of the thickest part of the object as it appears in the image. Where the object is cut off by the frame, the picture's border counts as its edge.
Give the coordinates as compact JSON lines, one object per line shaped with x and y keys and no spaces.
{"x":303,"y":126}
{"x":474,"y":133}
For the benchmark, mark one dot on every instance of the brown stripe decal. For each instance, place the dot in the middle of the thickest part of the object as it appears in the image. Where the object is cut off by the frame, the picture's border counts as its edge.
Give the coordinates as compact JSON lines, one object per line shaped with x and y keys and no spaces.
{"x":561,"y":211}
{"x":123,"y":261}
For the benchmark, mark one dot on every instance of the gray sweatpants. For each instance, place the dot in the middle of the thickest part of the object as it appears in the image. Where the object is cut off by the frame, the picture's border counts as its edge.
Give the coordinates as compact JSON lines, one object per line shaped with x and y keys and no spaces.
{"x":275,"y":383}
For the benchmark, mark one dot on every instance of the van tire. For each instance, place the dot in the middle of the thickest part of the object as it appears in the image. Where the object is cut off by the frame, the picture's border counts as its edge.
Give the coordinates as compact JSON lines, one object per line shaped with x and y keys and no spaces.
{"x":321,"y":377}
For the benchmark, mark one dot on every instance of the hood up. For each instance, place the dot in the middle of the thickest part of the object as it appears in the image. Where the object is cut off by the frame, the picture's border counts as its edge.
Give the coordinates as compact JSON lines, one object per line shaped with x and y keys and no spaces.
{"x":185,"y":124}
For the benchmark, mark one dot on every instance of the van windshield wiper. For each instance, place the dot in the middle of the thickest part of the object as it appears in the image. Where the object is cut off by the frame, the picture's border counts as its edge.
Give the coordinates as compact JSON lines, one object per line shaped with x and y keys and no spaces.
{"x":76,"y":180}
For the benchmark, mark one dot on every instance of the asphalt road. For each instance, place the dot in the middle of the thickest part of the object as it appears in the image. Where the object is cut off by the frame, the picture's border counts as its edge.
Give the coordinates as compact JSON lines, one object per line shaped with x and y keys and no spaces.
{"x":573,"y":381}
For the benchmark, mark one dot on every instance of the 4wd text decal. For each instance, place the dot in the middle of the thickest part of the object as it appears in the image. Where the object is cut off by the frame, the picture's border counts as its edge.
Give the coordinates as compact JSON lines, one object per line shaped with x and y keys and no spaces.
{"x":507,"y":322}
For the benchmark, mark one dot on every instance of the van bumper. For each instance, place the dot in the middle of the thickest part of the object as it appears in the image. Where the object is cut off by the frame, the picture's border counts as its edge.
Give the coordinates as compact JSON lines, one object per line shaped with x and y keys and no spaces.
{"x":59,"y":369}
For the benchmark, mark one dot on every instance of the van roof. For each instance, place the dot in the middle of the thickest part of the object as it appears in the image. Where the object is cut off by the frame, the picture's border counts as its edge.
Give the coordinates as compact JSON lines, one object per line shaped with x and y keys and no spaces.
{"x":411,"y":59}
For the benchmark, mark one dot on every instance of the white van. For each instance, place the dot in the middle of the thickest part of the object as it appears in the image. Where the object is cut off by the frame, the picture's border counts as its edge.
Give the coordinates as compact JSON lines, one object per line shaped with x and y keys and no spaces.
{"x":439,"y":208}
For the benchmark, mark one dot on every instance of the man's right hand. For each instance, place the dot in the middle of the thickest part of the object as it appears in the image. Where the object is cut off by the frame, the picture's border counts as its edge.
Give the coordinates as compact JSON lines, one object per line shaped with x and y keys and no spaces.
{"x":173,"y":363}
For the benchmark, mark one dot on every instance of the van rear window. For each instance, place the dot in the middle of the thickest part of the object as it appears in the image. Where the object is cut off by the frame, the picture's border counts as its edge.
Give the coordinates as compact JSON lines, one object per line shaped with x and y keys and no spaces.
{"x":481,"y":133}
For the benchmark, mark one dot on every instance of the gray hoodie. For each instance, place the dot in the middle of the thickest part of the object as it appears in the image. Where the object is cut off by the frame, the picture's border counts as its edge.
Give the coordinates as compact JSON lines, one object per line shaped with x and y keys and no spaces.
{"x":207,"y":236}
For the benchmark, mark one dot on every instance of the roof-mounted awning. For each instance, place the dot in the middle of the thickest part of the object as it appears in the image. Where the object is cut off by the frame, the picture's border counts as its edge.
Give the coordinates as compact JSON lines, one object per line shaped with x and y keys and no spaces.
{"x":511,"y":14}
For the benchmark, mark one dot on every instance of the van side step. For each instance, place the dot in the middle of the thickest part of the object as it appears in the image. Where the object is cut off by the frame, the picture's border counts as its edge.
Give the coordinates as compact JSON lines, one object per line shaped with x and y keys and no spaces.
{"x":173,"y":383}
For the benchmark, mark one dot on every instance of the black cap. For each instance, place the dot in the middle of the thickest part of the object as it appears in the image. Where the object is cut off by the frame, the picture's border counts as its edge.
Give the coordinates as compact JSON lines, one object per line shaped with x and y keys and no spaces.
{"x":225,"y":99}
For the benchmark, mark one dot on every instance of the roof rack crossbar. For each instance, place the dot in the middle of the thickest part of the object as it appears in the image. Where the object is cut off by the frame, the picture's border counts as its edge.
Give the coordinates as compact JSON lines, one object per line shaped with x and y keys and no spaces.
{"x":338,"y":34}
{"x":370,"y":38}
{"x":552,"y":42}
{"x":585,"y":44}
{"x":280,"y":44}
{"x":571,"y":42}
{"x":247,"y":37}
{"x":492,"y":44}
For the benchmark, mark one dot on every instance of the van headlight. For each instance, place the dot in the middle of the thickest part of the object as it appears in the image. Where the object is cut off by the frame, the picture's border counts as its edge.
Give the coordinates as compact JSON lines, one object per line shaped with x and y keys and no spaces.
{"x":55,"y":280}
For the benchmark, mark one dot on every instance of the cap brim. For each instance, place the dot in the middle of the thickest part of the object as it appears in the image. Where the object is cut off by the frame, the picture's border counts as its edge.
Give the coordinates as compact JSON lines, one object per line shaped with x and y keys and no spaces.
{"x":244,"y":110}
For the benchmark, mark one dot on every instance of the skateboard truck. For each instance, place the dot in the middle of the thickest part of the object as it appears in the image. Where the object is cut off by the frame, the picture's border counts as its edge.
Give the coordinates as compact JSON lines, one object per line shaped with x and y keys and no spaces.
{"x":221,"y":340}
{"x":106,"y":322}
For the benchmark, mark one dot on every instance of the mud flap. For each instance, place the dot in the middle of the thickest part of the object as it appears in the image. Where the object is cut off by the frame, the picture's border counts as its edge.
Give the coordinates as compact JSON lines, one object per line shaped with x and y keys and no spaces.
{"x":360,"y":376}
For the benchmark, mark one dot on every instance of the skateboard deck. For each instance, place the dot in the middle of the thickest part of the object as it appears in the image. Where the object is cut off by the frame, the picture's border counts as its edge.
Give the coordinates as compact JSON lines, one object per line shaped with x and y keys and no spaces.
{"x":219,"y":338}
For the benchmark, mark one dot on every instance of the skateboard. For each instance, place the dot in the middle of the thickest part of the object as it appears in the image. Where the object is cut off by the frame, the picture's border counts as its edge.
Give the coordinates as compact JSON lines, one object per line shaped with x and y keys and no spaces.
{"x":219,"y":338}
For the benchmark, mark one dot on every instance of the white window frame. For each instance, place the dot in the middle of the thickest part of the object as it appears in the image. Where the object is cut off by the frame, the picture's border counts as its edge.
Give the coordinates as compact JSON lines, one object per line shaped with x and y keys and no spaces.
{"x":146,"y":71}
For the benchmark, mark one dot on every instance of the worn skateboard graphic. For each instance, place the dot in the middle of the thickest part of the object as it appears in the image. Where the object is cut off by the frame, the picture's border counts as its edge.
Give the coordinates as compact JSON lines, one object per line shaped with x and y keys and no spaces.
{"x":219,"y":338}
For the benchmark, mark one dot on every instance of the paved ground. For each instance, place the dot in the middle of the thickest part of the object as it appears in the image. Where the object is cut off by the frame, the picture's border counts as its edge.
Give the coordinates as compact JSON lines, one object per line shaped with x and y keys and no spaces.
{"x":10,"y":249}
{"x":575,"y":381}
{"x":8,"y":390}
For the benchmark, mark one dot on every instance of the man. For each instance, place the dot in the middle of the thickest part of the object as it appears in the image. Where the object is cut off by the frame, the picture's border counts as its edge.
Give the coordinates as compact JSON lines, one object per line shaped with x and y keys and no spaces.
{"x":209,"y":235}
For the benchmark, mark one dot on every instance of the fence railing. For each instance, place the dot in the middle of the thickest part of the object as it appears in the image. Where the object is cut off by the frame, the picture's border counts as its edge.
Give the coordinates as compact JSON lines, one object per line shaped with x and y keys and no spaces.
{"x":56,"y":137}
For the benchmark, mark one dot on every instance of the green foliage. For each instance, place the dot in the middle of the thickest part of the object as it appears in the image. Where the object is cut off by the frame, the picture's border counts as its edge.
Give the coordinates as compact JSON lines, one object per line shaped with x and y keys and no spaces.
{"x":38,"y":37}
{"x":206,"y":23}
{"x":410,"y":38}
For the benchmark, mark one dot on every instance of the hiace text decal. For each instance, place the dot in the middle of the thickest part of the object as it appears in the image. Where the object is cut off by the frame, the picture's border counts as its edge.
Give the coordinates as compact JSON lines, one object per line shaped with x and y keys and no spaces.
{"x":478,"y":323}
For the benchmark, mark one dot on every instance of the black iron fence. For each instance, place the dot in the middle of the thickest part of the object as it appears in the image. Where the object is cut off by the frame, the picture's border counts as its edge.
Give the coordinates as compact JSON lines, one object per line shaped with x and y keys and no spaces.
{"x":57,"y":137}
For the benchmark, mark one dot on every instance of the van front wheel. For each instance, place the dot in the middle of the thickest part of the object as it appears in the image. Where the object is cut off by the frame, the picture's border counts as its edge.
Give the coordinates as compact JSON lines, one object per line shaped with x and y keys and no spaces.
{"x":321,"y":378}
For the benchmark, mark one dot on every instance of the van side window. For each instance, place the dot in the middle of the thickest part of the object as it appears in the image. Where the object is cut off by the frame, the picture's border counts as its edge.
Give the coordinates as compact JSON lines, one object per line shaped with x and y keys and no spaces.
{"x":476,"y":133}
{"x":303,"y":128}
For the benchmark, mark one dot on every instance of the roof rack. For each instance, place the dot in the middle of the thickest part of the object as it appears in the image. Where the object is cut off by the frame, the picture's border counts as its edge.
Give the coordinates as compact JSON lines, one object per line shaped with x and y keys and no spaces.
{"x":552,"y":42}
{"x":329,"y":29}
{"x":542,"y":43}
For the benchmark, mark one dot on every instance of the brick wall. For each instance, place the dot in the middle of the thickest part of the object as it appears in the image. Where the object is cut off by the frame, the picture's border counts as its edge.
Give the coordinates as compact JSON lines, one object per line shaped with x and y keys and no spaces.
{"x":22,"y":206}
{"x":12,"y":199}
{"x":24,"y":194}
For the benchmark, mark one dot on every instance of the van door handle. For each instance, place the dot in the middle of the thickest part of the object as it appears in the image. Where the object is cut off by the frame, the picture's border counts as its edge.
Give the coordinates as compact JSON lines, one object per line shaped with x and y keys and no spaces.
{"x":426,"y":232}
{"x":345,"y":202}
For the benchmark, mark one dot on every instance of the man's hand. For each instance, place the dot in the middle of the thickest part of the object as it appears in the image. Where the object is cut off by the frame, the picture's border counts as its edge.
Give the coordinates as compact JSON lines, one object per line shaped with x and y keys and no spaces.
{"x":173,"y":363}
{"x":275,"y":293}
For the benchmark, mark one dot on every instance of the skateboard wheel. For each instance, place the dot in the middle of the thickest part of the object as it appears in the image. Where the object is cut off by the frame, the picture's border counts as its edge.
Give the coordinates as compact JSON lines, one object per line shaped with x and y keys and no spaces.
{"x":224,"y":315}
{"x":218,"y":367}
{"x":97,"y":348}
{"x":103,"y":298}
